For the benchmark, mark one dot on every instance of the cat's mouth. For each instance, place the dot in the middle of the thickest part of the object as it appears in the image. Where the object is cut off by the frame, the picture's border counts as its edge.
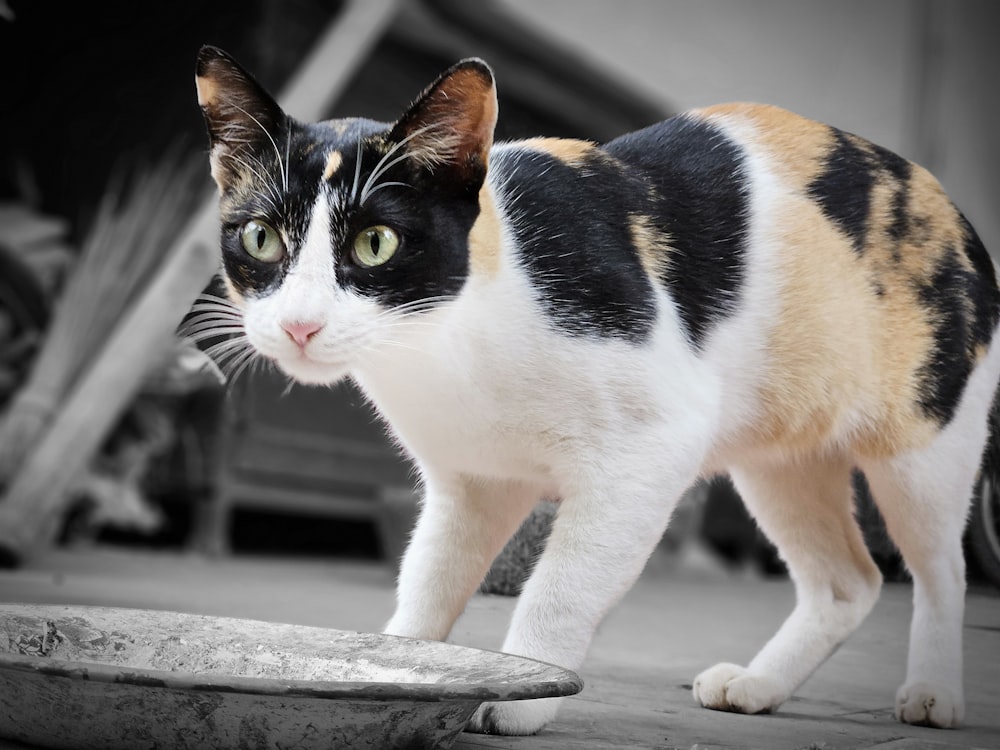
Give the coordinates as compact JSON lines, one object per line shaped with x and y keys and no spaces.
{"x":307,"y":368}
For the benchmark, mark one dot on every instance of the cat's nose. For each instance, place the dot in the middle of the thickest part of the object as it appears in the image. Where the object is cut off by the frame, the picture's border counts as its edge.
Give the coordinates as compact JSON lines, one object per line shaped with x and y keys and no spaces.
{"x":300,"y":331}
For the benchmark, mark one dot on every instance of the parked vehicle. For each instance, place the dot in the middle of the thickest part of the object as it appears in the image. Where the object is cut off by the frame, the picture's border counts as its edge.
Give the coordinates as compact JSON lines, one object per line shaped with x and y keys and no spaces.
{"x":983,"y":533}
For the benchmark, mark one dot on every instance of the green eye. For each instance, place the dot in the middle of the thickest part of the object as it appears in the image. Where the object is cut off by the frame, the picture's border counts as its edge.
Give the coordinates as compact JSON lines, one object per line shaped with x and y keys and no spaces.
{"x":375,"y":245}
{"x":261,"y":241}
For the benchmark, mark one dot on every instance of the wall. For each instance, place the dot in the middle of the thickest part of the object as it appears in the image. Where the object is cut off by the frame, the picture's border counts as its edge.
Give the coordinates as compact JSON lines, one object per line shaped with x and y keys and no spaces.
{"x":921,"y":77}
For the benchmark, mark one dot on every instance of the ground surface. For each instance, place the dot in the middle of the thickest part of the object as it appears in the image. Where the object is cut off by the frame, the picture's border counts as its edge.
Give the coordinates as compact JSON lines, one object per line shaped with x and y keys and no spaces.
{"x":674,"y":623}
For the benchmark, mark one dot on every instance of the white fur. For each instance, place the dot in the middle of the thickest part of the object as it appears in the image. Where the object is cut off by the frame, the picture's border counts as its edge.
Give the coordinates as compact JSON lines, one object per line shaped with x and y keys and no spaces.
{"x":498,"y":409}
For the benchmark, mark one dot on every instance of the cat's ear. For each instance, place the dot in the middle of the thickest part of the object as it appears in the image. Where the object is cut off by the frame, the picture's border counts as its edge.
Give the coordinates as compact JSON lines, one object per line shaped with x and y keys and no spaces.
{"x":241,"y":116}
{"x":450,"y":125}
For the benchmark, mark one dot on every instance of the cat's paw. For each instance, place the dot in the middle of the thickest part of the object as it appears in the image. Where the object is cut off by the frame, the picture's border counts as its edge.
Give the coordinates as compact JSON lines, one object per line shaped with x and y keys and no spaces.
{"x":929,"y":705}
{"x":730,"y":687}
{"x":513,"y":717}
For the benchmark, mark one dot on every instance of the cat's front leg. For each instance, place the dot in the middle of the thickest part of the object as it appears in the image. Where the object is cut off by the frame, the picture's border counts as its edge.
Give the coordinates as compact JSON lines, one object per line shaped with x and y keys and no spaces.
{"x":612,"y":515}
{"x":463,"y":525}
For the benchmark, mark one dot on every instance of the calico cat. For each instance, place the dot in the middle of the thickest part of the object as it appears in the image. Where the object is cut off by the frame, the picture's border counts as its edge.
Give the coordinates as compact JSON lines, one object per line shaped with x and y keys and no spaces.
{"x":736,"y":289}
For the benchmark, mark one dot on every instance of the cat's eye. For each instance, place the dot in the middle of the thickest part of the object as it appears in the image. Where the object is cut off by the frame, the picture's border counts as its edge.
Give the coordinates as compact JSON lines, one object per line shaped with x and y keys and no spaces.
{"x":262,"y":241}
{"x":375,"y":245}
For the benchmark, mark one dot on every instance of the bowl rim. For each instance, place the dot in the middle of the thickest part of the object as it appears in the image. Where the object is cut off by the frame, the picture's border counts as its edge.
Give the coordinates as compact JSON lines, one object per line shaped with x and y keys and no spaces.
{"x":556,"y":681}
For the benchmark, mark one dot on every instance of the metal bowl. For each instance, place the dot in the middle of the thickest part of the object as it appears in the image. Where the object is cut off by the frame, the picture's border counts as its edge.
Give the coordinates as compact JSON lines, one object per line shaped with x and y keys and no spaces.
{"x":94,"y":677}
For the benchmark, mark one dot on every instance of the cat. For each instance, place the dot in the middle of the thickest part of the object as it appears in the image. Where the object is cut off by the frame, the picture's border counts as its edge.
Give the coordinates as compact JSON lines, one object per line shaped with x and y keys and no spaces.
{"x":735,"y":289}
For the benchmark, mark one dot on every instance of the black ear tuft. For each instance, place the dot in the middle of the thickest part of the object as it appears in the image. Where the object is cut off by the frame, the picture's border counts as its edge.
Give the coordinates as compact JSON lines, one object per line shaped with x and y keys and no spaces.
{"x":239,"y":113}
{"x":450,"y":125}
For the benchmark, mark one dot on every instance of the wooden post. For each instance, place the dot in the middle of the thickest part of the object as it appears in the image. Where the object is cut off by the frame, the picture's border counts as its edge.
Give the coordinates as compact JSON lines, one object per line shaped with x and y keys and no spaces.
{"x":37,"y":494}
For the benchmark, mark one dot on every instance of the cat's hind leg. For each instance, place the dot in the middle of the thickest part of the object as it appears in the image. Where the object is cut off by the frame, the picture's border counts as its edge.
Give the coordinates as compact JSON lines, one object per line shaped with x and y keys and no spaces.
{"x":806,"y":509}
{"x":924,"y":498}
{"x":924,"y":515}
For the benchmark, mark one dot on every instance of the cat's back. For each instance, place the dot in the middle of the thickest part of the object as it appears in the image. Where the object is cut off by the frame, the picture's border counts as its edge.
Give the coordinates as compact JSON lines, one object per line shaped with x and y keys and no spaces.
{"x":867,"y":288}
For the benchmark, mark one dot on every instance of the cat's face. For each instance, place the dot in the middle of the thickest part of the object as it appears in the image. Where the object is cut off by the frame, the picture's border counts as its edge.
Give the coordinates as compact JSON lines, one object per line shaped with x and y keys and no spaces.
{"x":337,"y":234}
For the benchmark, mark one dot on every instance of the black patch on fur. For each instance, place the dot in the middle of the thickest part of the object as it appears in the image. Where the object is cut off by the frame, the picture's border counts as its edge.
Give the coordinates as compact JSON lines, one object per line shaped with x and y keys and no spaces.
{"x":899,"y":170}
{"x":843,"y":190}
{"x":964,"y":308}
{"x":984,"y":294}
{"x":943,"y":378}
{"x":696,"y":193}
{"x":571,"y":225}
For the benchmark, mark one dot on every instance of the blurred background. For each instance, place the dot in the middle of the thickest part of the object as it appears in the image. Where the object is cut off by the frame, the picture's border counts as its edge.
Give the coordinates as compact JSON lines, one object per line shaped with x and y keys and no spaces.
{"x":103,"y":169}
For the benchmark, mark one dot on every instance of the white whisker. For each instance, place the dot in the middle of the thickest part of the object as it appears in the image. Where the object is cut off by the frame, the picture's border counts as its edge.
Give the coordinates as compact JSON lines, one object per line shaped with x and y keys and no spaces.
{"x":370,"y":186}
{"x":201,"y":321}
{"x":416,"y":307}
{"x":381,"y":185}
{"x":400,"y":345}
{"x":227,"y":348}
{"x":214,"y":299}
{"x":216,"y":307}
{"x":357,"y":175}
{"x":213,"y":317}
{"x":277,"y":151}
{"x":245,"y":360}
{"x":270,"y":192}
{"x":288,"y":153}
{"x":211,"y":332}
{"x":384,"y":164}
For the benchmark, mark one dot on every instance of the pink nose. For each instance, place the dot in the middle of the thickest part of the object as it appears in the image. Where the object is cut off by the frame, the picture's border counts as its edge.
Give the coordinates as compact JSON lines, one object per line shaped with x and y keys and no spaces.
{"x":301,"y":331}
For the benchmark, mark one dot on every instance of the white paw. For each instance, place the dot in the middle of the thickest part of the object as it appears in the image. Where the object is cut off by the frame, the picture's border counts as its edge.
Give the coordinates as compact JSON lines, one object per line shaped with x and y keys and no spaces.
{"x":513,"y":717}
{"x":730,"y":687}
{"x":929,"y":705}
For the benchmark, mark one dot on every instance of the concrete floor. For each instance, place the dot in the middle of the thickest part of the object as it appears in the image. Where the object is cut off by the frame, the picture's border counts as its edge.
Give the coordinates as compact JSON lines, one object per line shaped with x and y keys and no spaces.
{"x":677,"y":620}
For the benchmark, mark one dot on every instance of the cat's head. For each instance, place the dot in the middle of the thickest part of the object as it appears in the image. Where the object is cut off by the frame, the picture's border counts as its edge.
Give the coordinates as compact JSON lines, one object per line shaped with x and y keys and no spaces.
{"x":336,"y":234}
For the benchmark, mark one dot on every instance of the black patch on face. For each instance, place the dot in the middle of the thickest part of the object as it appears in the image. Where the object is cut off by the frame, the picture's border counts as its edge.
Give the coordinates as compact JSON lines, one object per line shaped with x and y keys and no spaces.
{"x":433,"y":257}
{"x":432,"y":215}
{"x":964,"y":308}
{"x":571,"y":225}
{"x":262,"y":196}
{"x":432,"y":219}
{"x":695,"y":190}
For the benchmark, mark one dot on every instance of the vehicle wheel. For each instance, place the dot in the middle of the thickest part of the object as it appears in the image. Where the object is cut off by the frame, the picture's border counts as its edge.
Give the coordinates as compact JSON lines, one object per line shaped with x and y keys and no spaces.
{"x":984,"y":528}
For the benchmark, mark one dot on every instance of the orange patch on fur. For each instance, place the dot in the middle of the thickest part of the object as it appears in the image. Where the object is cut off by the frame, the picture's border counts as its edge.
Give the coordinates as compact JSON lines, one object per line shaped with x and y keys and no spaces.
{"x":485,"y":237}
{"x":573,"y":153}
{"x":865,"y":345}
{"x":333,"y":162}
{"x":795,"y":144}
{"x":233,"y":293}
{"x":206,"y":91}
{"x":844,"y":361}
{"x":652,"y":245}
